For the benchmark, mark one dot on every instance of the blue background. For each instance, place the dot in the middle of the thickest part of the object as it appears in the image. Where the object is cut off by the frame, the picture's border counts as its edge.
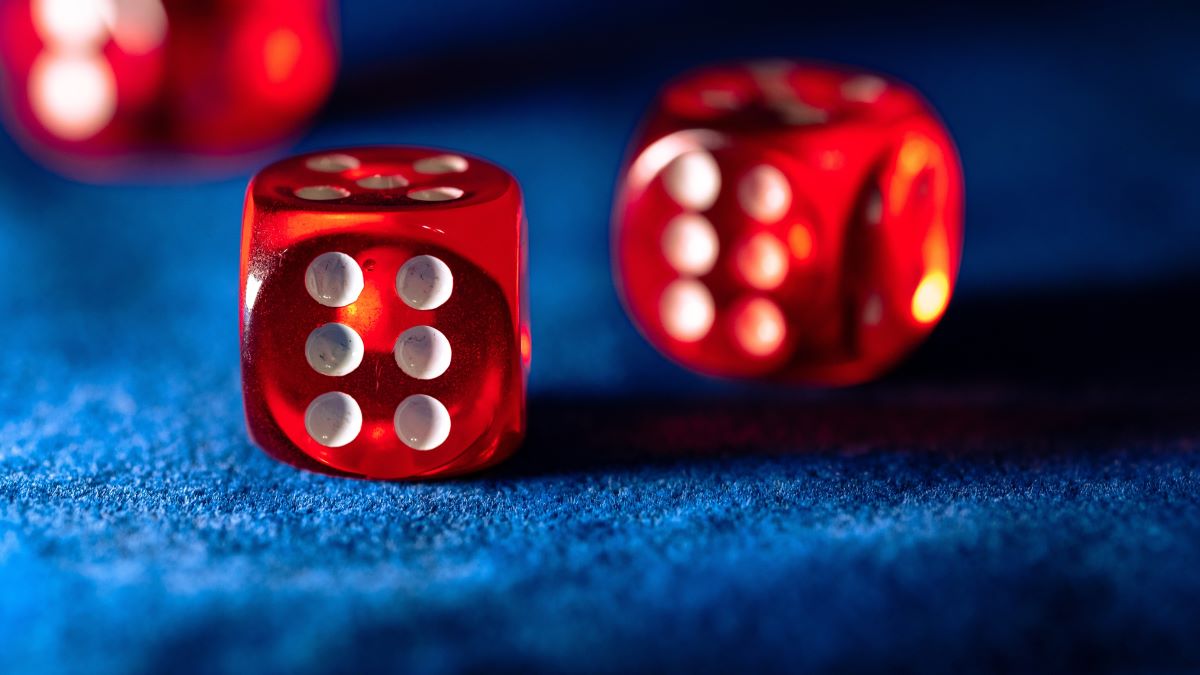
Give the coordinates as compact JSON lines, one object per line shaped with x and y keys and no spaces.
{"x":1024,"y":494}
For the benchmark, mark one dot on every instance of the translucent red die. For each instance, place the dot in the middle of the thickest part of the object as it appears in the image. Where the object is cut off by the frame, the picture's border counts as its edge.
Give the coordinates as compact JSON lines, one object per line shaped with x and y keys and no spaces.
{"x":787,"y":220}
{"x":384,"y":329}
{"x":121,"y":80}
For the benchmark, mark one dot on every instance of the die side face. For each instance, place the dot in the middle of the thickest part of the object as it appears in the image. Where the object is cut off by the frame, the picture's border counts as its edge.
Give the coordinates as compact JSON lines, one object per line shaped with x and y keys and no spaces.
{"x":97,"y":78}
{"x":788,"y":221}
{"x":382,"y":326}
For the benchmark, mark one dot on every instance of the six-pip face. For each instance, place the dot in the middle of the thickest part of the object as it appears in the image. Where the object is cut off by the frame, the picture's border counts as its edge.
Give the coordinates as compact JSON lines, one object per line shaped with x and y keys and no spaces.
{"x":383,"y":328}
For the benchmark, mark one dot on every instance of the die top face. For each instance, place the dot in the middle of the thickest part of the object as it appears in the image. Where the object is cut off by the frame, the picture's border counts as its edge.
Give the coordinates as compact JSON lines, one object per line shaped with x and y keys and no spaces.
{"x":820,"y":251}
{"x":384,"y":334}
{"x":784,"y":95}
{"x":402,"y":179}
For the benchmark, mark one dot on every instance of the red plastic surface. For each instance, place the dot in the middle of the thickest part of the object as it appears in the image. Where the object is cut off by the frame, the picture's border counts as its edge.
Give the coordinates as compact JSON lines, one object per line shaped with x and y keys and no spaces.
{"x":479,"y":236}
{"x":823,"y":217}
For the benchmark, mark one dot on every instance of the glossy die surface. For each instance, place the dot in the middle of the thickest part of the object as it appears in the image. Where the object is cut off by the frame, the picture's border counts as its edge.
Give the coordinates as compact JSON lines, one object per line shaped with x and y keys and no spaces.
{"x":383,"y":328}
{"x":793,"y":221}
{"x":118,"y":79}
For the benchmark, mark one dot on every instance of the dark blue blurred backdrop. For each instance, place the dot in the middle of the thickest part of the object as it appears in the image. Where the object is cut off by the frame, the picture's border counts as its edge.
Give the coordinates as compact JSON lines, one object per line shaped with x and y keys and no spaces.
{"x":1023,"y":495}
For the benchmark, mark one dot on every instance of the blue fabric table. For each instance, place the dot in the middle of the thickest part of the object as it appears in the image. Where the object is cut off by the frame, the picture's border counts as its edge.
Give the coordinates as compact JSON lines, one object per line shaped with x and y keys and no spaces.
{"x":1023,"y":495}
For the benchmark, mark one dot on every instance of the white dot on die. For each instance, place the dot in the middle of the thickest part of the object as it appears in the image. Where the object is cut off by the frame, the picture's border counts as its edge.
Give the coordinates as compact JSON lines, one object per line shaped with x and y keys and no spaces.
{"x":334,"y":349}
{"x":424,"y":282}
{"x":440,"y":164}
{"x":333,"y":419}
{"x":686,"y":309}
{"x":773,"y":77}
{"x":138,"y":26}
{"x":436,"y":194}
{"x":71,"y":24}
{"x":334,"y":279}
{"x":874,"y":211}
{"x":763,"y":261}
{"x":872,"y":312}
{"x":422,"y":422}
{"x":332,"y":163}
{"x":73,"y":96}
{"x":380,"y":182}
{"x":689,"y":243}
{"x":422,"y":352}
{"x":720,"y":99}
{"x":863,"y":89}
{"x":764,"y":194}
{"x":759,"y":327}
{"x":693,"y":179}
{"x":321,"y":193}
{"x":798,"y":113}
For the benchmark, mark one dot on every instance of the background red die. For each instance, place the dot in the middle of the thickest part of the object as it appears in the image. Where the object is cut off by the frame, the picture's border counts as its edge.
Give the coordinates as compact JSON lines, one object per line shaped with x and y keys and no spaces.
{"x":796,"y":221}
{"x":119,"y":79}
{"x":384,"y":328}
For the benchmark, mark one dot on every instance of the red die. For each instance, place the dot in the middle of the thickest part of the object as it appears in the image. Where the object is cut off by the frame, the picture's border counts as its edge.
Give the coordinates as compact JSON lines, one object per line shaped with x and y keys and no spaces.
{"x":116,"y":79}
{"x":384,"y":329}
{"x":787,"y":220}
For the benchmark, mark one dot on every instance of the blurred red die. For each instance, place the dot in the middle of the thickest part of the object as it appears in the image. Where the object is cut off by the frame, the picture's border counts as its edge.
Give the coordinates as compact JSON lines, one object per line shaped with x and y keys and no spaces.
{"x":123,"y":80}
{"x":791,"y":221}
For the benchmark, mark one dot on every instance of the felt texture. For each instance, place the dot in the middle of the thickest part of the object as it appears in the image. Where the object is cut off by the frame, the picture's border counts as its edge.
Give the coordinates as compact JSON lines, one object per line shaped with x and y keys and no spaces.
{"x":1023,"y":495}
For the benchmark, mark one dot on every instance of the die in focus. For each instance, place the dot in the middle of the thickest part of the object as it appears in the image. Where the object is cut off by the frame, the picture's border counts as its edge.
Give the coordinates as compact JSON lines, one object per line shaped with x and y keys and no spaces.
{"x":384,"y":327}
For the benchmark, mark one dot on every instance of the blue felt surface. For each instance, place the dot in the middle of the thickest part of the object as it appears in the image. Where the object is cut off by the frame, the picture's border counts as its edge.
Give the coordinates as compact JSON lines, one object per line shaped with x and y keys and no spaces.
{"x":1022,"y":496}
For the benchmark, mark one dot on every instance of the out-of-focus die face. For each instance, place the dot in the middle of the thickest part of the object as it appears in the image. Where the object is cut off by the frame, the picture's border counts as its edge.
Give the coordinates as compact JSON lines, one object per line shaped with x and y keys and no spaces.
{"x":116,"y":79}
{"x":384,"y":332}
{"x":790,"y":221}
